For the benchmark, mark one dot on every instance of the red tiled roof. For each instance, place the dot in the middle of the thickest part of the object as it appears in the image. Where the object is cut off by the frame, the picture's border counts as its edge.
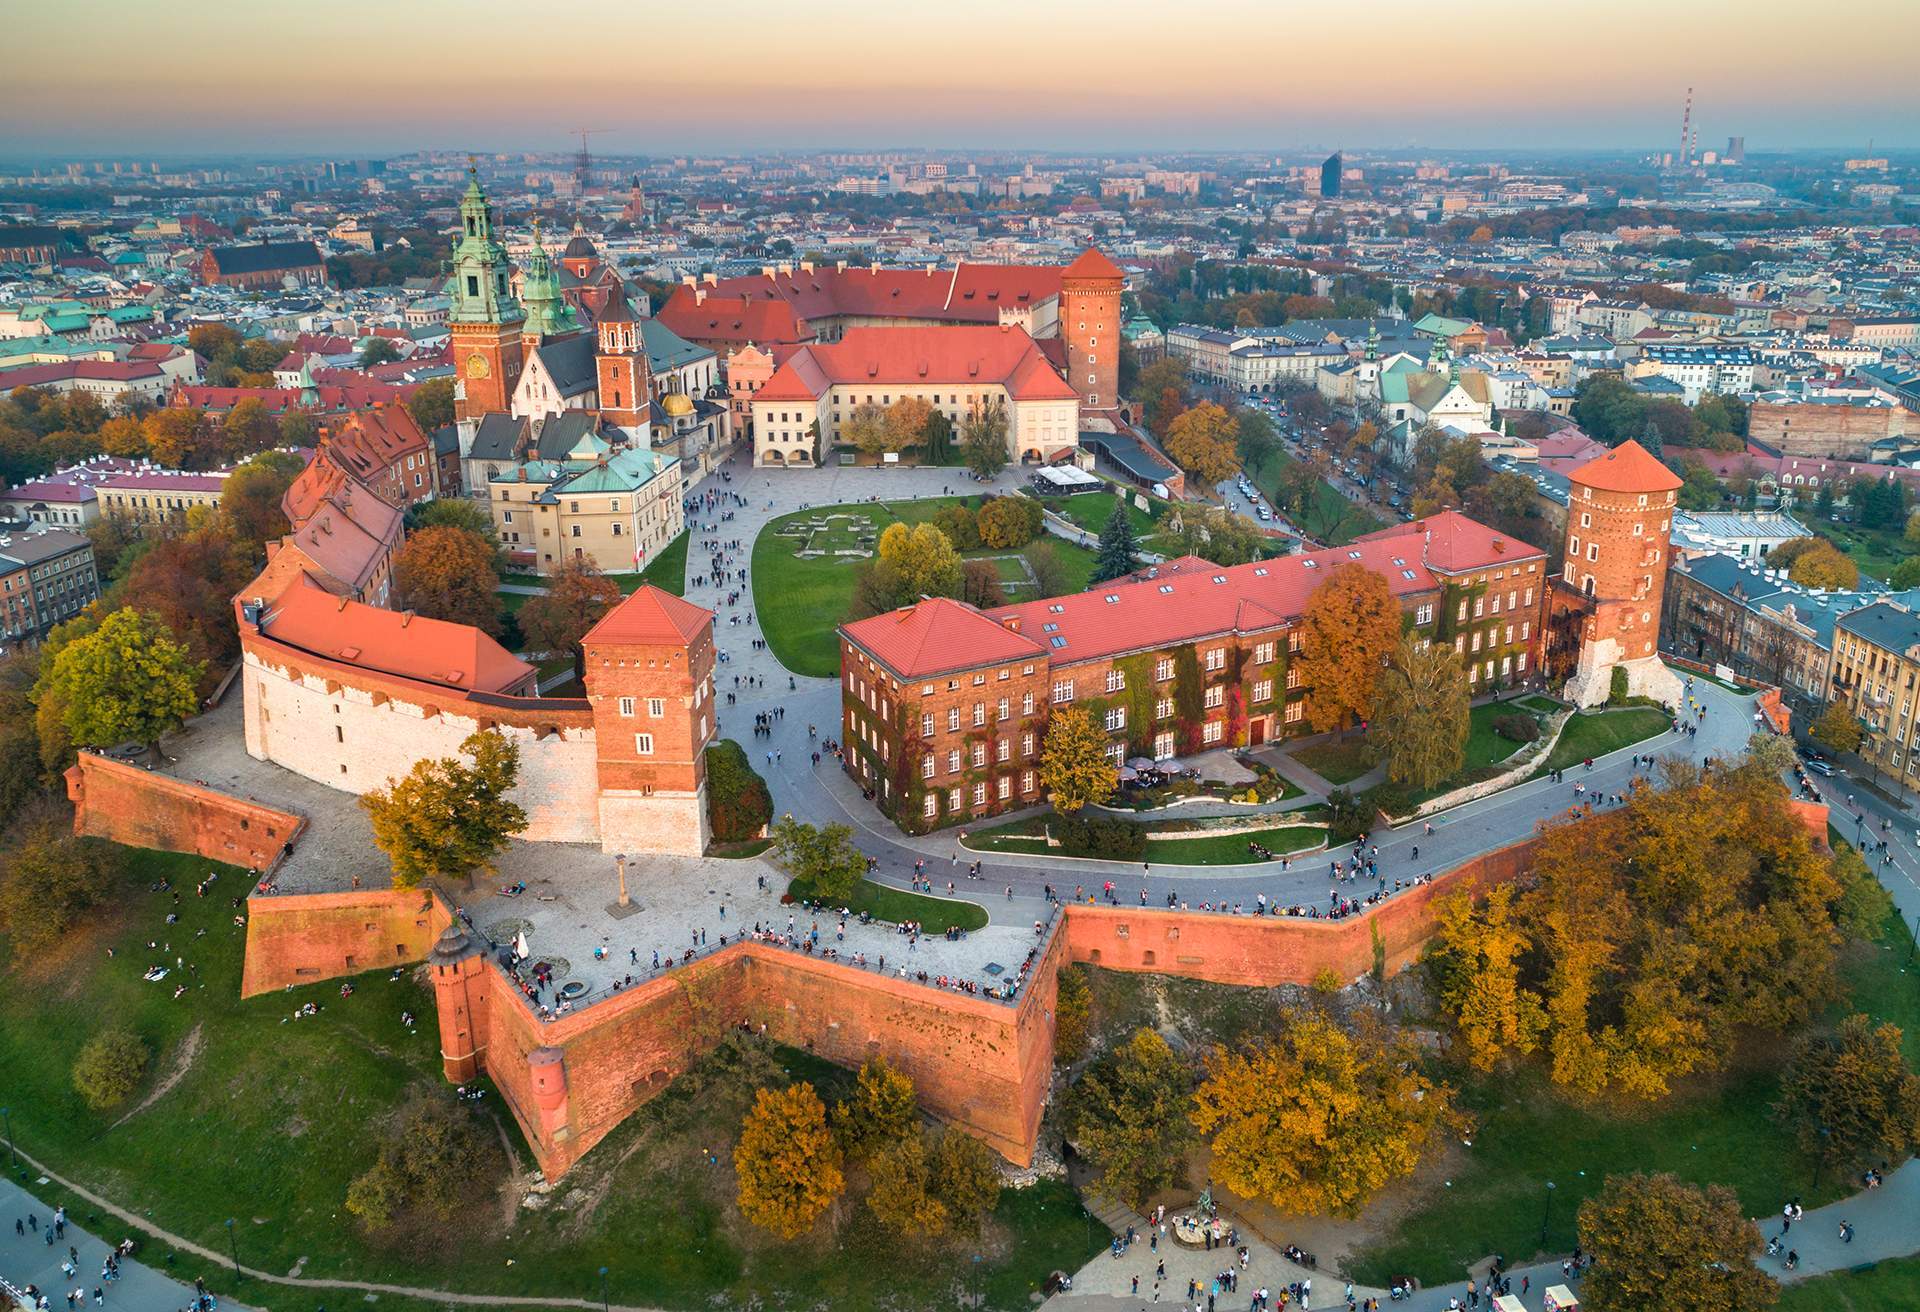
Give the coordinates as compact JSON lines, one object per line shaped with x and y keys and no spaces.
{"x":651,"y":617}
{"x":1629,"y":467}
{"x":1092,"y":264}
{"x":39,"y":375}
{"x":367,"y":443}
{"x":936,"y":635}
{"x":951,"y":353}
{"x":1189,"y":598}
{"x":723,"y":318}
{"x":391,"y":642}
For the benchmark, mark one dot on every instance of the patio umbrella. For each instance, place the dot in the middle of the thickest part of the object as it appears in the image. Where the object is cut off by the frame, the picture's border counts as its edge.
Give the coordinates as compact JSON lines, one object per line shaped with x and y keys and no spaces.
{"x":1127,"y":775}
{"x":1141,"y":763}
{"x":520,"y":947}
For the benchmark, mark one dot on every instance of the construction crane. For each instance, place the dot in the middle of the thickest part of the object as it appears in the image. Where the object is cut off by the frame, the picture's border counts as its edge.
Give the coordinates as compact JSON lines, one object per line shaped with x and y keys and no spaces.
{"x":585,"y":160}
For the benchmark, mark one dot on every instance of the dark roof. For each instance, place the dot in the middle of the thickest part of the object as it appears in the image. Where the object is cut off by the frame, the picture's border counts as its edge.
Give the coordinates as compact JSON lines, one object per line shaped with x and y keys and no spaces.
{"x":1130,"y":454}
{"x":570,"y":361}
{"x":1885,"y":625}
{"x":502,"y":437}
{"x":38,"y":545}
{"x":265,"y":257}
{"x":446,"y":440}
{"x":496,"y":437}
{"x":580,"y":248}
{"x":37,"y":234}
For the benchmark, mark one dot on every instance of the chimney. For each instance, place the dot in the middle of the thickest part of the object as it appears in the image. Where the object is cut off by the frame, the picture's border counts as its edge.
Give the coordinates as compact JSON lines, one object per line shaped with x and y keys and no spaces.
{"x":406,"y":618}
{"x":700,"y":296}
{"x":711,"y":279}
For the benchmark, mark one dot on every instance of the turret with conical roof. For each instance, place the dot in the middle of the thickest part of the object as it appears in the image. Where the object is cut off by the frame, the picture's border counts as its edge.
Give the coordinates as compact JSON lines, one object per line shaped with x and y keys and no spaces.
{"x":479,"y":287}
{"x":548,"y":312}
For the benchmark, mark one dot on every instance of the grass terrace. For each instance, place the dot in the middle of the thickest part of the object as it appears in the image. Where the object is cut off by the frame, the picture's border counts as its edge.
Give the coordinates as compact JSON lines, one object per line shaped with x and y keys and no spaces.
{"x":1595,"y":733}
{"x":893,"y":905}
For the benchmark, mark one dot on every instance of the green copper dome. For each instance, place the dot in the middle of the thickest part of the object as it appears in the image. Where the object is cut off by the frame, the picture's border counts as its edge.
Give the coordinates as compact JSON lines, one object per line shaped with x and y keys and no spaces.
{"x":547,"y":311}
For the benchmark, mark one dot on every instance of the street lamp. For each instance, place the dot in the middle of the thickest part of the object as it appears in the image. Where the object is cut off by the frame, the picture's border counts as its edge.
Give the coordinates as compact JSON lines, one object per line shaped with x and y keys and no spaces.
{"x":233,"y":1247}
{"x":1826,"y":1139}
{"x":603,"y":1271}
{"x":13,"y":1158}
{"x":1546,"y":1211}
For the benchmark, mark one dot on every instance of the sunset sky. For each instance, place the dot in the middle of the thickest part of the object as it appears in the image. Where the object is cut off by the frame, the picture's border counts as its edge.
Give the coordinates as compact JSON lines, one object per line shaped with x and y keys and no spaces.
{"x":204,"y":76}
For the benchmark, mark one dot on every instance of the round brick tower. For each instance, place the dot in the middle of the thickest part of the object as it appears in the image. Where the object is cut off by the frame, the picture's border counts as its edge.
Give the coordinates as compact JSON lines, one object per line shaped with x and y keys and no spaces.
{"x":1619,"y":521}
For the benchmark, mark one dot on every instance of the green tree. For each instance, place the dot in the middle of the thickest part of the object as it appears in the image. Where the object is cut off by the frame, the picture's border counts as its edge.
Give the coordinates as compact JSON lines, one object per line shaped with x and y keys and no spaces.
{"x":446,"y":818}
{"x":1130,"y":1118}
{"x":937,"y":438}
{"x":250,"y":500}
{"x":378,"y":350}
{"x":127,"y":681}
{"x":824,"y":863}
{"x":1074,"y":766}
{"x":109,"y":1068}
{"x":787,"y":1161}
{"x":1658,"y":1242}
{"x":578,"y":596}
{"x":738,"y":803}
{"x":1050,"y":577}
{"x":965,"y":1177}
{"x":1213,"y":533}
{"x":1699,"y":490}
{"x":1255,"y":438}
{"x":1837,"y":729}
{"x":435,"y":1158}
{"x":1849,"y":1097}
{"x":431,"y":404}
{"x":1113,"y":558}
{"x":983,"y":439}
{"x":883,"y":1110}
{"x":51,"y":881}
{"x":1420,"y":719}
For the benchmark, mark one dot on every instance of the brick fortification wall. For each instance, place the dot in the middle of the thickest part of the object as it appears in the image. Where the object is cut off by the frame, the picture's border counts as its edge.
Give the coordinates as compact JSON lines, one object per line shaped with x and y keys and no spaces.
{"x":139,"y":808}
{"x":302,"y":938}
{"x":1262,"y":951}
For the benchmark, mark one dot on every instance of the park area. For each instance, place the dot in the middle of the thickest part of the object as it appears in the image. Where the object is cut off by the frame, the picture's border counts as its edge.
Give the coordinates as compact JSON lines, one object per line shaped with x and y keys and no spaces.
{"x":267,"y":1109}
{"x":1330,"y":518}
{"x":803,"y":572}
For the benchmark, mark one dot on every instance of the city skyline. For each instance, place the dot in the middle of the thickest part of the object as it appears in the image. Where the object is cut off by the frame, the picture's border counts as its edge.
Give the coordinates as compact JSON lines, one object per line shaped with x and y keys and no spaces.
{"x":445,"y":76}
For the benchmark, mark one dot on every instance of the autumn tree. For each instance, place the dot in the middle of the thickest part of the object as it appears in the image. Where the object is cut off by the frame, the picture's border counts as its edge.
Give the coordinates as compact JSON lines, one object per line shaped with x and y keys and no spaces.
{"x":1074,"y":766}
{"x":965,"y":1178}
{"x":1476,"y":960}
{"x":1131,"y":1121}
{"x":1008,"y":523}
{"x":883,"y":1110}
{"x":176,"y":436}
{"x":1837,"y":729}
{"x":1419,"y":719}
{"x":907,"y":422}
{"x":980,"y":584}
{"x":446,"y":817}
{"x":431,"y":404}
{"x":1050,"y":577}
{"x":1072,"y":1015}
{"x":983,"y":438}
{"x":1318,"y":1120}
{"x":127,"y":681}
{"x":900,"y":1193}
{"x":51,"y":881}
{"x":1849,"y":1097}
{"x":578,"y":595}
{"x":1213,"y":533}
{"x":824,"y":863}
{"x":1658,"y":1242}
{"x":1349,"y":630}
{"x":187,"y":581}
{"x":923,"y":558}
{"x":448,"y":574}
{"x":1113,"y":558}
{"x":250,"y":512}
{"x":1203,"y":441}
{"x":109,"y":1067}
{"x":787,"y":1161}
{"x":866,"y":428}
{"x":1823,"y":566}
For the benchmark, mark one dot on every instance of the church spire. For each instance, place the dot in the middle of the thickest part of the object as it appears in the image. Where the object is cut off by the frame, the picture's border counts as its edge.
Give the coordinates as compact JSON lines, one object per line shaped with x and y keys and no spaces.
{"x":479,"y":287}
{"x":548,"y":313}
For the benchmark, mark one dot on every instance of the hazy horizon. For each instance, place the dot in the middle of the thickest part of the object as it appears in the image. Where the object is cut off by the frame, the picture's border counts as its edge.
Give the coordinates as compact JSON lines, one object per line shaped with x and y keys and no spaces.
{"x":1122,"y":77}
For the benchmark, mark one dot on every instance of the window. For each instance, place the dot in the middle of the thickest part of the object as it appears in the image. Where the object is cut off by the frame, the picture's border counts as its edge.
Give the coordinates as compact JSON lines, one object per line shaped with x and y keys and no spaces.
{"x":1116,"y":752}
{"x":1423,"y":614}
{"x":1216,"y":695}
{"x":1295,"y":710}
{"x":1593,"y":551}
{"x":927,"y":767}
{"x":979,"y":755}
{"x":1264,"y":653}
{"x":1163,"y":669}
{"x":1263,"y":690}
{"x":1163,"y":709}
{"x":1026,"y":781}
{"x":1026,"y":704}
{"x":953,"y":718}
{"x":1116,"y":680}
{"x":1003,"y":709}
{"x":643,"y":744}
{"x":953,"y":761}
{"x":1005,"y":788}
{"x":1003,"y":750}
{"x":980,"y":794}
{"x":626,"y":706}
{"x":1116,"y":719}
{"x":926,"y":724}
{"x":1217,"y":658}
{"x":979,"y":714}
{"x":1212,"y":731}
{"x":933,"y":806}
{"x":1026,"y":744}
{"x":1062,"y":690}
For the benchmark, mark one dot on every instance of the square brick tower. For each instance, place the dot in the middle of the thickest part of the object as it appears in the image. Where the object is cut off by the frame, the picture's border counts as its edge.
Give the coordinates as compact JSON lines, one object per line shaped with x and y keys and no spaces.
{"x":484,"y":318}
{"x":649,"y":677}
{"x":1619,"y":524}
{"x":1090,"y":327}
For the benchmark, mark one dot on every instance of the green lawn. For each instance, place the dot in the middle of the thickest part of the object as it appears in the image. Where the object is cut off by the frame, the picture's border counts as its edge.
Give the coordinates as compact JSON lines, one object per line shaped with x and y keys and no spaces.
{"x":1339,"y":761}
{"x":274,"y":1116}
{"x":1332,"y":519}
{"x":801,"y":602}
{"x":936,"y":914}
{"x":1485,"y":747}
{"x":1717,"y":1129}
{"x":1599,"y":732}
{"x":666,"y":571}
{"x":1091,"y":510}
{"x":1538,"y":702}
{"x":1875,"y":550}
{"x":1231,"y":849}
{"x":1880,"y":1287}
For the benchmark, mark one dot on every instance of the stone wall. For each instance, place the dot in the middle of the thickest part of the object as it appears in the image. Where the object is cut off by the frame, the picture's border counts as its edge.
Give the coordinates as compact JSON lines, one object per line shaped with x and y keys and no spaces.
{"x":307,"y":937}
{"x":1262,"y":951}
{"x":139,"y":808}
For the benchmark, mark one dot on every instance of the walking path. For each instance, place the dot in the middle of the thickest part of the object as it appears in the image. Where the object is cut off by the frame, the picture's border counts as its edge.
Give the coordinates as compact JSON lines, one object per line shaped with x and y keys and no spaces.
{"x":141,"y":1289}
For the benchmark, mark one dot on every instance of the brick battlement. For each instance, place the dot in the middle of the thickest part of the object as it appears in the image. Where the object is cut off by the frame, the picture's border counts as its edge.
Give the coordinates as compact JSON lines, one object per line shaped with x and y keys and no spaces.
{"x":141,"y":808}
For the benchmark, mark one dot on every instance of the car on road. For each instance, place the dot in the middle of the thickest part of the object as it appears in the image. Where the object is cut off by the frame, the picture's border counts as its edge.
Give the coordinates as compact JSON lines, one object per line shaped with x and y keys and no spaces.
{"x":1820,"y":767}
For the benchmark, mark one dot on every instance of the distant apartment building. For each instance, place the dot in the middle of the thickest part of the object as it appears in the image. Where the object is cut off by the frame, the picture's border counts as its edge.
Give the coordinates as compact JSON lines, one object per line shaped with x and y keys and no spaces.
{"x":47,"y":576}
{"x":1831,"y":427}
{"x":1876,"y":672}
{"x":264,"y":266}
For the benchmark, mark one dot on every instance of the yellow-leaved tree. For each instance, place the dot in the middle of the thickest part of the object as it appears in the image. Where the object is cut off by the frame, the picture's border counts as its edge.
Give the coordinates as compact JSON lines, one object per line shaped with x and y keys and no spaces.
{"x":1074,"y":766}
{"x":1317,"y":1120}
{"x":1204,"y":441}
{"x":1476,"y":958}
{"x":787,"y":1161}
{"x":1349,"y":628}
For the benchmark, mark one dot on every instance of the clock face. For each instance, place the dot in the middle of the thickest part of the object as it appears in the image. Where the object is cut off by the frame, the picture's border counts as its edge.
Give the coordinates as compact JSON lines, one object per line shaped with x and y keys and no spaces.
{"x":477,"y":366}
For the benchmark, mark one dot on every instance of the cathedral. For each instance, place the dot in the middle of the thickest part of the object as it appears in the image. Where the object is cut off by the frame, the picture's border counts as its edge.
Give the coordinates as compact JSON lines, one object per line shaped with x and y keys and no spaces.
{"x":562,"y":338}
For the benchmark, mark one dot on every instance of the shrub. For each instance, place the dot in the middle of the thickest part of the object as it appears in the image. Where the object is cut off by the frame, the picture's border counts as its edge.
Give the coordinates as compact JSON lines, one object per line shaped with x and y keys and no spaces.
{"x":1101,"y":836}
{"x":434,"y":1159}
{"x":1518,"y":727}
{"x":1617,"y":688}
{"x":738,"y":803}
{"x":1007,"y":522}
{"x":50,"y":880}
{"x":109,"y":1068}
{"x":1348,"y":817}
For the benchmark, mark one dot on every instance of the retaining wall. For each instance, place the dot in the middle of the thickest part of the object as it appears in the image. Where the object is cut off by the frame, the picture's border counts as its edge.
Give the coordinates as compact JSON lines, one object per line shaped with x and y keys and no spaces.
{"x":135,"y":806}
{"x":301,"y":938}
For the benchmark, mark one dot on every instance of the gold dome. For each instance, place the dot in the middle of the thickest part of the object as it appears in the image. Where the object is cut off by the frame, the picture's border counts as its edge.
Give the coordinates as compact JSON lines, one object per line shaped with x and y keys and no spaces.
{"x":676,"y":404}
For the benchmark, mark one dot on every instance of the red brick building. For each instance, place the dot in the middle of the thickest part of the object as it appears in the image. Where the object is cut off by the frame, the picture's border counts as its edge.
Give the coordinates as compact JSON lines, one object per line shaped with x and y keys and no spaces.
{"x":944,"y":706}
{"x":264,"y":265}
{"x":1606,"y":606}
{"x":386,"y":449}
{"x":1090,"y":327}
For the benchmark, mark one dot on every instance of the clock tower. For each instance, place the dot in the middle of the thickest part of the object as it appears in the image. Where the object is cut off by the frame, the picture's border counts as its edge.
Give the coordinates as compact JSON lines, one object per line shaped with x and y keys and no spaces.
{"x":484,"y":318}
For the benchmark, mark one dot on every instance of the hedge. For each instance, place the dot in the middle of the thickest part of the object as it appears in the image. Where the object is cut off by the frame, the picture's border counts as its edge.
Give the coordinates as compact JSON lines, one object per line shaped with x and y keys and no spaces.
{"x":1104,"y":837}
